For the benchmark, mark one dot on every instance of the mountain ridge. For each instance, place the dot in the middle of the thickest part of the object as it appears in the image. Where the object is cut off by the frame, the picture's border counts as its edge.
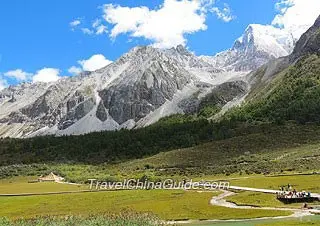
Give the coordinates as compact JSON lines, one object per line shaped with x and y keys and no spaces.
{"x":121,"y":95}
{"x":141,"y":87}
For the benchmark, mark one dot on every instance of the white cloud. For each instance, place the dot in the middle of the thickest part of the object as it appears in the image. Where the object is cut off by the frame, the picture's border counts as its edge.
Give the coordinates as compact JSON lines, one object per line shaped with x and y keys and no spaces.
{"x":99,"y":27}
{"x":74,"y":70}
{"x":43,"y":75}
{"x":94,"y":63}
{"x":96,"y":23}
{"x":18,"y":74}
{"x":166,"y":26}
{"x":87,"y":31}
{"x":47,"y":75}
{"x":224,"y":14}
{"x":296,"y":16}
{"x":75,"y":23}
{"x":3,"y":84}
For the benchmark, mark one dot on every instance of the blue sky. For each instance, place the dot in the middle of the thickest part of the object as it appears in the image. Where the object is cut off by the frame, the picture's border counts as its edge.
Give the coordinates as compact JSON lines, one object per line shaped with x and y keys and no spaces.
{"x":37,"y":34}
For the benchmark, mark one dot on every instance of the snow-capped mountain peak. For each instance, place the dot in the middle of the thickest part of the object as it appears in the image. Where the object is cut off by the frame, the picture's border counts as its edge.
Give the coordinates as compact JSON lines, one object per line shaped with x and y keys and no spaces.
{"x":255,"y":47}
{"x":266,"y":38}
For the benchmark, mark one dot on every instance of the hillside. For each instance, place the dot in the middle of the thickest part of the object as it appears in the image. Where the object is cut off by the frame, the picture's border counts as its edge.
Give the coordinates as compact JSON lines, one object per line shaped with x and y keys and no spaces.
{"x":263,"y":149}
{"x":106,"y":146}
{"x":269,"y":149}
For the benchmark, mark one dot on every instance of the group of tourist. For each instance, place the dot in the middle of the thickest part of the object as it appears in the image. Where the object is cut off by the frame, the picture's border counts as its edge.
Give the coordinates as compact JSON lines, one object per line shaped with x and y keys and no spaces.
{"x":287,"y":192}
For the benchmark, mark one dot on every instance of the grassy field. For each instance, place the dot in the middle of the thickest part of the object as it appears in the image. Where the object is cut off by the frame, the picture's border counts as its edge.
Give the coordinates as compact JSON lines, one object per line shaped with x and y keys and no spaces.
{"x":19,"y":185}
{"x":168,"y":205}
{"x":165,"y":204}
{"x":300,"y":182}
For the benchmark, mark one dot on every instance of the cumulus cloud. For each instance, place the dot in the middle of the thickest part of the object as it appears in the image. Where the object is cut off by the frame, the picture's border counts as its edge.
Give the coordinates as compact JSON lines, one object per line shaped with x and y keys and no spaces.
{"x":224,"y":14}
{"x":18,"y":74}
{"x":46,"y":75}
{"x":167,"y":25}
{"x":43,"y":75}
{"x":95,"y":62}
{"x":296,"y":16}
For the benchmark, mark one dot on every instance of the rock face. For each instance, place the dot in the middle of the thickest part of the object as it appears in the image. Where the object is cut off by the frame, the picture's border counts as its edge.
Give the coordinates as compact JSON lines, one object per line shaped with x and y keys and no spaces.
{"x":225,"y":93}
{"x":309,"y":42}
{"x":102,"y":112}
{"x":145,"y":90}
{"x":218,"y":96}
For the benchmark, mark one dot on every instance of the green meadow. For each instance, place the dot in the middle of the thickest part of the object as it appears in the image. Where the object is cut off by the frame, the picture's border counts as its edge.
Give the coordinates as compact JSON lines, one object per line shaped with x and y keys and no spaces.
{"x":166,"y":204}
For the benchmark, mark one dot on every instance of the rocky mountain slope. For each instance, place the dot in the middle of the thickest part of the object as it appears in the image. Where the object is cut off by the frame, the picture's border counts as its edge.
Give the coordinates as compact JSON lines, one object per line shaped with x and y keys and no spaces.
{"x":141,"y":87}
{"x":138,"y":89}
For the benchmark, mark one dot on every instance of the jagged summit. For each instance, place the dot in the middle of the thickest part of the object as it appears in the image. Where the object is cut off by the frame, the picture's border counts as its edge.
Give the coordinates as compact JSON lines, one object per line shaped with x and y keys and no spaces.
{"x":258,"y":45}
{"x":265,"y":38}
